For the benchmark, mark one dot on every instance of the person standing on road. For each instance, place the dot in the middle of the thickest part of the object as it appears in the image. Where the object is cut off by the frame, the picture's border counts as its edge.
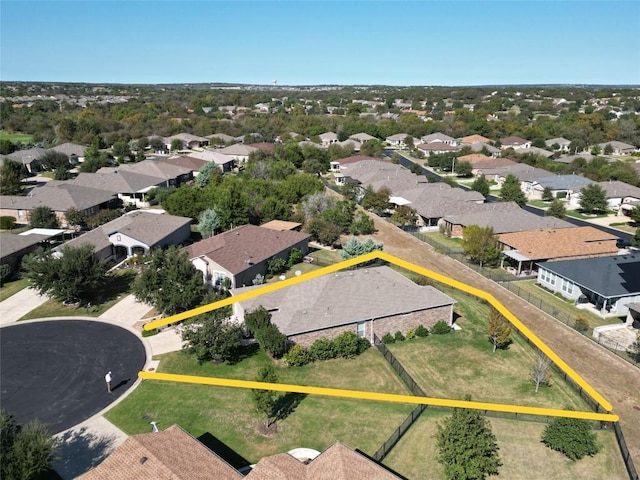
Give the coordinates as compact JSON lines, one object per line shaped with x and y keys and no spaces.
{"x":108,"y":379}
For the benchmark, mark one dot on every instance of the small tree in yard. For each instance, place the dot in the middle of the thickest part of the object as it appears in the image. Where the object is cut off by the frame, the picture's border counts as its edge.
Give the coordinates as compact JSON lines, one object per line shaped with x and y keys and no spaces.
{"x":266,"y":401}
{"x":25,"y":451}
{"x":480,"y":245}
{"x":511,"y":191}
{"x":208,"y":222}
{"x":571,"y":436}
{"x":213,"y":337}
{"x":466,"y":446}
{"x":634,"y":215}
{"x":354,"y":248}
{"x":540,"y":371}
{"x":547,"y":194}
{"x":43,"y":217}
{"x":481,"y":185}
{"x":593,"y":198}
{"x":498,"y":329}
{"x":556,"y":209}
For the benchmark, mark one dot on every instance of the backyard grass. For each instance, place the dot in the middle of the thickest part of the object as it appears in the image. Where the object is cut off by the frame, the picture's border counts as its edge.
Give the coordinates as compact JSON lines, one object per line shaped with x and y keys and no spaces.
{"x":229,"y":414}
{"x":523,"y":456}
{"x":111,"y":292}
{"x":624,"y":226}
{"x":587,"y":216}
{"x":16,"y":137}
{"x":564,"y":306}
{"x":463,"y":362}
{"x":10,"y":288}
{"x":445,"y":242}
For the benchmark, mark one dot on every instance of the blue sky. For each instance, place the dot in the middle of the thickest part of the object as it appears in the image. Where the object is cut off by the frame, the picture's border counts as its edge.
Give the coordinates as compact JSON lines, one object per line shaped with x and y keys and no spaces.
{"x":330,"y":42}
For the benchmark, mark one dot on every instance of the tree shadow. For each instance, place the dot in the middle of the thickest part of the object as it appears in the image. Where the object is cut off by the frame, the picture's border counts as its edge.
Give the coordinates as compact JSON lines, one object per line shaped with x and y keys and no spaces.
{"x":287,"y":404}
{"x":114,"y":286}
{"x":245,"y":351}
{"x":81,"y":450}
{"x":223,"y":450}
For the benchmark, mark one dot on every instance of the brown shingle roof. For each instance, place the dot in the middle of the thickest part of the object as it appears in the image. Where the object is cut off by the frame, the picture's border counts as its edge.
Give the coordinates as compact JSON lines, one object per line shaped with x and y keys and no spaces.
{"x":171,"y":454}
{"x":475,"y":139}
{"x":233,"y":248}
{"x":554,"y":243}
{"x":338,"y":462}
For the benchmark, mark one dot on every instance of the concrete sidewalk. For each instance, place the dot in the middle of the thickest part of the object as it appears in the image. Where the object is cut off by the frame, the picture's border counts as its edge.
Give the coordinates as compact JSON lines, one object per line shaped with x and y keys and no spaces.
{"x":19,"y":304}
{"x":127,"y":311}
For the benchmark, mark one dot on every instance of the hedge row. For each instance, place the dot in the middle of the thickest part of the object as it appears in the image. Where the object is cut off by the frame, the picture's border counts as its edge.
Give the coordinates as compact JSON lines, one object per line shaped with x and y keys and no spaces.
{"x":345,"y":345}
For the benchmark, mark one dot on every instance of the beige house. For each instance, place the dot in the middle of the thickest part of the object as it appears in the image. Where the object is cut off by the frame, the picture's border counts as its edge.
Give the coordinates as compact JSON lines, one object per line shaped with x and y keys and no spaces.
{"x":369,"y":301}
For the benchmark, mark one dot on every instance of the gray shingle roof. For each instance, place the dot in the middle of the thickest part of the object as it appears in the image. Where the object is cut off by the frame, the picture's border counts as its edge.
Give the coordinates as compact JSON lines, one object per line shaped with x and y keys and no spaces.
{"x":115,"y":180}
{"x":564,"y":182}
{"x":59,"y":197}
{"x":70,"y":149}
{"x":505,"y":217}
{"x":11,"y":243}
{"x":608,"y":276}
{"x":617,"y":189}
{"x":345,"y":297}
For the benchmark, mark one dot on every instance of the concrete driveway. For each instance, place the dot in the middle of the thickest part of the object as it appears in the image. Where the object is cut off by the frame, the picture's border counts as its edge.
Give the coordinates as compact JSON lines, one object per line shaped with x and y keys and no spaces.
{"x":19,"y":304}
{"x":127,"y":311}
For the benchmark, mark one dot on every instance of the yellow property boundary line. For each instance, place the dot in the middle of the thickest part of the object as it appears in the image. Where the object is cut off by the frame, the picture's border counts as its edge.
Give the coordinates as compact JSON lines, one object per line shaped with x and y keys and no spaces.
{"x":382,"y":397}
{"x":421,"y":271}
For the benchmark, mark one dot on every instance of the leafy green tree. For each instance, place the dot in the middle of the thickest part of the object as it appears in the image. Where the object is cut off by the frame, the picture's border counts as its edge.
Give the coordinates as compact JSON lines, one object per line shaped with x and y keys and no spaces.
{"x":481,"y":185}
{"x":480,"y":245}
{"x":354,"y":248}
{"x":372,"y":148}
{"x":26,"y":451}
{"x":208,"y":222}
{"x":572,"y":437}
{"x":323,"y":231}
{"x":76,"y":218}
{"x":511,"y":191}
{"x":498,"y":329}
{"x":11,"y":174}
{"x":378,"y":201}
{"x":176,"y":145}
{"x":169,"y":281}
{"x":213,"y":337}
{"x":608,"y":149}
{"x":43,"y":217}
{"x":556,"y":209}
{"x":464,"y":169}
{"x":209,"y":174}
{"x":75,"y":273}
{"x":266,"y":401}
{"x":547,"y":194}
{"x":6,"y":146}
{"x":635,"y":241}
{"x":101,"y":217}
{"x":276,"y":265}
{"x":187,"y":202}
{"x":593,"y":198}
{"x":362,"y":224}
{"x":94,"y":159}
{"x":404,"y":215}
{"x":467,"y":447}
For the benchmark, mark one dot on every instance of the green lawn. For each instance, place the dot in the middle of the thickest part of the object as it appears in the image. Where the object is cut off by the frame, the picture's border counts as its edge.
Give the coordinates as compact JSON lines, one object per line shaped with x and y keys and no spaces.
{"x":228,"y":413}
{"x":16,"y":137}
{"x":115,"y":289}
{"x":462,"y":362}
{"x":523,"y":456}
{"x":586,"y":216}
{"x":13,"y":287}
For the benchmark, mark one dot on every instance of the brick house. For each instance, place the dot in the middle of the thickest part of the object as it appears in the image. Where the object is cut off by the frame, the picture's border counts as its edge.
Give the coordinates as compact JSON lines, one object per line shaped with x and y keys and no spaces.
{"x":367,"y":301}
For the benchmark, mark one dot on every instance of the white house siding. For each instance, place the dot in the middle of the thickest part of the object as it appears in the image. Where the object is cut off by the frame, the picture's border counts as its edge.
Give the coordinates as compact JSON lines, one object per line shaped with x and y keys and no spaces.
{"x":556,"y":283}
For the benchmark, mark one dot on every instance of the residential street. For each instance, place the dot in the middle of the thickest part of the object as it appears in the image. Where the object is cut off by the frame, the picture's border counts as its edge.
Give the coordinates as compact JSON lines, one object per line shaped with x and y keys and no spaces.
{"x":614,"y":378}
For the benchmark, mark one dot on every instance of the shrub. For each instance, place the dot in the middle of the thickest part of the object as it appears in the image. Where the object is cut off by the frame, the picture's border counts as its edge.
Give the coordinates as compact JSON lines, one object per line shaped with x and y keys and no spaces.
{"x":150,"y":333}
{"x":399,"y":336}
{"x":297,"y":356}
{"x":582,"y":324}
{"x":421,"y":331}
{"x":349,"y":345}
{"x":571,"y":436}
{"x":323,"y":349}
{"x":6,"y":273}
{"x":7,"y":222}
{"x":276,"y":265}
{"x":411,"y":333}
{"x":388,"y":339}
{"x":440,"y":328}
{"x":295,"y":257}
{"x":273,"y":341}
{"x":257,"y":320}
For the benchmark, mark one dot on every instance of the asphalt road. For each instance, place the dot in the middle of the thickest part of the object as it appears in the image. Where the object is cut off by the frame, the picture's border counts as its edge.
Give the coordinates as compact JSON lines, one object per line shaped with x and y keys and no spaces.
{"x":53,"y":370}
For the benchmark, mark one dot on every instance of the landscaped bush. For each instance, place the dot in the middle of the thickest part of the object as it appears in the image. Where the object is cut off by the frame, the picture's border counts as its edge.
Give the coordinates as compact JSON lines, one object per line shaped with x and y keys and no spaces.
{"x":297,"y":356}
{"x":6,"y":273}
{"x":323,"y":349}
{"x":440,"y":328}
{"x":256,"y":320}
{"x":273,"y":341}
{"x":421,"y":331}
{"x":388,"y":339}
{"x":411,"y":333}
{"x":295,"y":257}
{"x":7,"y":222}
{"x":276,"y":266}
{"x":349,"y":345}
{"x":150,"y":333}
{"x":571,"y":436}
{"x":399,"y":337}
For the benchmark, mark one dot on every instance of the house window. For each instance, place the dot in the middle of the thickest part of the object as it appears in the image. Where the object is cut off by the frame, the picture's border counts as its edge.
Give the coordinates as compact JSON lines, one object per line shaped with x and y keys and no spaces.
{"x":361,"y":329}
{"x":218,"y":278}
{"x":567,"y":286}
